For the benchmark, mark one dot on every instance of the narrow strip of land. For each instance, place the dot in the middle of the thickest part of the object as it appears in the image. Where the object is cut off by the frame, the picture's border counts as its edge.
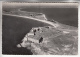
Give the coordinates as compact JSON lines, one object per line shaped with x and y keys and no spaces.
{"x":44,"y":21}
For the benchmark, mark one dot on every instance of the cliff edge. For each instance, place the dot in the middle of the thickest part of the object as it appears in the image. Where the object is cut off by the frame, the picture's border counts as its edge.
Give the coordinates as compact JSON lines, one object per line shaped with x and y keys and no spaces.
{"x":49,"y":40}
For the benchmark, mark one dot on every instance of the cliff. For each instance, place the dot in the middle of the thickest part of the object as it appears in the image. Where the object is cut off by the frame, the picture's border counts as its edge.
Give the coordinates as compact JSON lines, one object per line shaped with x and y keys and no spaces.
{"x":57,"y":39}
{"x":49,"y":40}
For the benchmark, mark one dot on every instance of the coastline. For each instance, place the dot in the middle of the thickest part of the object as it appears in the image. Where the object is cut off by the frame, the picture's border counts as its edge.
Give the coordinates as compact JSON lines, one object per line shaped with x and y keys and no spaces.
{"x":44,"y":21}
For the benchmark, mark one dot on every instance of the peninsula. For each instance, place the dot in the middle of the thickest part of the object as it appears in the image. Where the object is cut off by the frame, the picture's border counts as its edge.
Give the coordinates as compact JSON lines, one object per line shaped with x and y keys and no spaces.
{"x":56,"y":39}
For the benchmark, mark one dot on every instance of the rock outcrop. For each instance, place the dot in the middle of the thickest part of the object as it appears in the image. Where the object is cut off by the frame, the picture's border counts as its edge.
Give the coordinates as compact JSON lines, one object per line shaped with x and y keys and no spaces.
{"x":49,"y":40}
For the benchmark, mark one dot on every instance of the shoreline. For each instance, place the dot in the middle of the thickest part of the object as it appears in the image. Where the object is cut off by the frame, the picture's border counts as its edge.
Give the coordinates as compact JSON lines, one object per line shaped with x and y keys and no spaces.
{"x":44,"y":21}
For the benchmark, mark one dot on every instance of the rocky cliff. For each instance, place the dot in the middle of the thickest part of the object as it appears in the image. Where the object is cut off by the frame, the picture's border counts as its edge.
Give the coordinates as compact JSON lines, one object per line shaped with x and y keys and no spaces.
{"x":49,"y":40}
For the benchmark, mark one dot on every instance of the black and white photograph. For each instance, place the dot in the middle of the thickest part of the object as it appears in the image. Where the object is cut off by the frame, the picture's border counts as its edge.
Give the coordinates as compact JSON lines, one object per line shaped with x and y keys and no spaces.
{"x":39,"y":28}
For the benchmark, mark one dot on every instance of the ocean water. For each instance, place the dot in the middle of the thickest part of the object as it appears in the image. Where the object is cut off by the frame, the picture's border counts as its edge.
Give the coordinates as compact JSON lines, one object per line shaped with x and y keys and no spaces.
{"x":15,"y":28}
{"x":13,"y":31}
{"x":68,"y":16}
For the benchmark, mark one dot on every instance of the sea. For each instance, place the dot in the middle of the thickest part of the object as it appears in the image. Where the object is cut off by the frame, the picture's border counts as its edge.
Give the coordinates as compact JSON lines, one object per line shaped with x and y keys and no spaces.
{"x":68,"y":16}
{"x":15,"y":28}
{"x":13,"y":31}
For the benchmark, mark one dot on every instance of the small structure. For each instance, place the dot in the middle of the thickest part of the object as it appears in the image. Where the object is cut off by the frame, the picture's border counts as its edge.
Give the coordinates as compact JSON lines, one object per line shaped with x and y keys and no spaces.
{"x":39,"y":40}
{"x":33,"y":40}
{"x":30,"y":34}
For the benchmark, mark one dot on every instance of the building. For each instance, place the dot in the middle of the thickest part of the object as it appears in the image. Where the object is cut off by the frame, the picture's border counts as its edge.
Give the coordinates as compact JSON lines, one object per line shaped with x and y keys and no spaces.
{"x":30,"y":34}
